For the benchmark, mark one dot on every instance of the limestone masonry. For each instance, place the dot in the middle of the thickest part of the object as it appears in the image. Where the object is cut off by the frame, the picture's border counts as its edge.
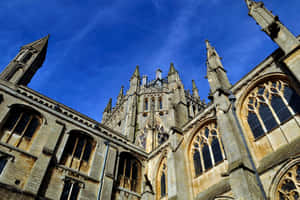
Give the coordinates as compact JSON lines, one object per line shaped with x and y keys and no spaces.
{"x":159,"y":141}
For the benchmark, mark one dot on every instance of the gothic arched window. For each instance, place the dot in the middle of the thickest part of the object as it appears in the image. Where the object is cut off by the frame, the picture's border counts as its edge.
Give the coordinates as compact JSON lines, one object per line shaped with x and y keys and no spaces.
{"x":269,"y":105}
{"x":20,"y":126}
{"x":206,"y":149}
{"x":78,"y":151}
{"x":161,"y":181}
{"x":129,"y":173}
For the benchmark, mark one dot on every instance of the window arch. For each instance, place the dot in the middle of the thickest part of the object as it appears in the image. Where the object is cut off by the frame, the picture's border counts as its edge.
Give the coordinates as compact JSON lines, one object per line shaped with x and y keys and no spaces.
{"x":206,"y":149}
{"x":162,"y":180}
{"x":20,"y":126}
{"x":270,"y":104}
{"x":129,"y":173}
{"x":78,"y":151}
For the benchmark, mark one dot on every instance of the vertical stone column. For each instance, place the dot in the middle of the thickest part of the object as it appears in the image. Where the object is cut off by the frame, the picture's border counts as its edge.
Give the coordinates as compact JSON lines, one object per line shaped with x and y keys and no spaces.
{"x":40,"y":167}
{"x":241,"y":173}
{"x":177,"y":173}
{"x":109,"y":174}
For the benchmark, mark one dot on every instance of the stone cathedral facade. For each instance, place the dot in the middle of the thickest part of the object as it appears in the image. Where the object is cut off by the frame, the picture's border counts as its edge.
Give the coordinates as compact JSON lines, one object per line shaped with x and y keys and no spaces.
{"x":159,"y":141}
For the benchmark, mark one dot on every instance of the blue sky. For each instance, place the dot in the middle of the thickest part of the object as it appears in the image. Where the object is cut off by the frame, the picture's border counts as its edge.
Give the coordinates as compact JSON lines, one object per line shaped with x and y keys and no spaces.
{"x":95,"y":45}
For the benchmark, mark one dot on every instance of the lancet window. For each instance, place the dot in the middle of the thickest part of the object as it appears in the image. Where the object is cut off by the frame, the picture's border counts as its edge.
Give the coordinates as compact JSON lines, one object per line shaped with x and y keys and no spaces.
{"x":20,"y":126}
{"x":206,"y":149}
{"x":161,"y":181}
{"x":77,"y":153}
{"x":129,"y":173}
{"x":269,"y":105}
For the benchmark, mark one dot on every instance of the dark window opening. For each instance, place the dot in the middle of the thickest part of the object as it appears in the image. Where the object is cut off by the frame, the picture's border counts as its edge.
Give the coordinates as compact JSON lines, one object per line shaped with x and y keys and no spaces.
{"x":197,"y":163}
{"x":217,"y":152}
{"x":206,"y":157}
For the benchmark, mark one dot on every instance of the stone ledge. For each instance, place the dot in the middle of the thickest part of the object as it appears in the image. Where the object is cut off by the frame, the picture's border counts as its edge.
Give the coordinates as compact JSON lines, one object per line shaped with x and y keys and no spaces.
{"x":215,"y":190}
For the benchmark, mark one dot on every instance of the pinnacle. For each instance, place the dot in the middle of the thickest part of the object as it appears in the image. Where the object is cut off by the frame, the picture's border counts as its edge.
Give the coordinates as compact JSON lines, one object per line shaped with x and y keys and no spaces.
{"x":108,"y":107}
{"x":38,"y":45}
{"x":136,"y":72}
{"x":121,"y":91}
{"x":172,"y":68}
{"x":194,"y":84}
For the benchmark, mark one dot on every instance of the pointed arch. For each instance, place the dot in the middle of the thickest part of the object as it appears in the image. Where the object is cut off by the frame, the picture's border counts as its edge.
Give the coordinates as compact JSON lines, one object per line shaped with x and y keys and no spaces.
{"x":205,"y":149}
{"x":268,"y":103}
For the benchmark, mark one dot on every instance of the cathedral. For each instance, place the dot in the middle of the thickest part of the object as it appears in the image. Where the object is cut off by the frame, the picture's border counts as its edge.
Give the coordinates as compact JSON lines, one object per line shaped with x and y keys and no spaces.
{"x":159,"y":141}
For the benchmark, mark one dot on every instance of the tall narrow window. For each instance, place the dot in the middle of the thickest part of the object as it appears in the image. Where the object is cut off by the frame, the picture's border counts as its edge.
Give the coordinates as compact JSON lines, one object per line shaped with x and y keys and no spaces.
{"x":269,"y":105}
{"x":20,"y":127}
{"x":70,"y":191}
{"x":78,"y":151}
{"x":161,"y":180}
{"x":146,"y":104}
{"x":129,"y":173}
{"x":160,"y":103}
{"x":206,"y":147}
{"x":197,"y":163}
{"x":217,"y":152}
{"x":206,"y":157}
{"x":163,"y":185}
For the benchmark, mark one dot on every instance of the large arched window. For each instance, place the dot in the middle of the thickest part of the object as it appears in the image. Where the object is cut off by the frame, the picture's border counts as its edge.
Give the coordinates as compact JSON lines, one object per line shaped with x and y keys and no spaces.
{"x":129,"y":173}
{"x":269,"y":105}
{"x":20,"y":126}
{"x":206,"y":149}
{"x":162,"y":181}
{"x":77,"y":152}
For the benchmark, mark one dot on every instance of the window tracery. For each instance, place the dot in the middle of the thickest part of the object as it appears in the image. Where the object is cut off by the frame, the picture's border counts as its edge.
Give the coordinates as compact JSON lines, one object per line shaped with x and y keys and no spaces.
{"x":289,"y":185}
{"x":206,"y":149}
{"x":161,"y":181}
{"x":269,"y":105}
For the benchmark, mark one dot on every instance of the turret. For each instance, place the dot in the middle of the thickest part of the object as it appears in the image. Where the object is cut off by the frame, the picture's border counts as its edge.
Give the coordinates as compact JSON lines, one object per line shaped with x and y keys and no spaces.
{"x":272,"y":26}
{"x":216,"y":73}
{"x":29,"y":59}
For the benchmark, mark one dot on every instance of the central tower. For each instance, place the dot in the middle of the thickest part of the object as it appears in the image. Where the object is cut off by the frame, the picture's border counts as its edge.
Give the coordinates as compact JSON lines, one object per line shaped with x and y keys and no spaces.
{"x":150,"y":108}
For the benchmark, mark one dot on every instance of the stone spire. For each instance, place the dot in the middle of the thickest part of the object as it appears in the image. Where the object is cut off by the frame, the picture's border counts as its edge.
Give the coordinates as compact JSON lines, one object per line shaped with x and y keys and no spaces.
{"x":216,"y":73}
{"x":195,"y":90}
{"x":29,"y":59}
{"x":272,"y":26}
